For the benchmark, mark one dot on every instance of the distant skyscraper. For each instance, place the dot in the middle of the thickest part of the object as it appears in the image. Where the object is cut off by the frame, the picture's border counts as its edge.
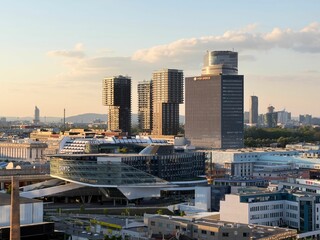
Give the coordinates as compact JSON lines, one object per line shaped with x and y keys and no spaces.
{"x":271,"y":118}
{"x":116,"y":94}
{"x":167,"y":94}
{"x":145,"y":106}
{"x":214,"y":103}
{"x":283,"y":117}
{"x":36,"y":119}
{"x":253,"y":112}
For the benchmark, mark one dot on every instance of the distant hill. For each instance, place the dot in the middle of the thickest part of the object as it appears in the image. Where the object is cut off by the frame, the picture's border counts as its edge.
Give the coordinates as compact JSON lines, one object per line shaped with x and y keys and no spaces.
{"x":81,"y":118}
{"x":87,"y":118}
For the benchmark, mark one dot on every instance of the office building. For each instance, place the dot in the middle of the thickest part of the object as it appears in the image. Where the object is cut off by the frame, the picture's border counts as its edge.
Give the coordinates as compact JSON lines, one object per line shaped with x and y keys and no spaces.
{"x":295,"y":209}
{"x":167,"y":94}
{"x":271,"y":118}
{"x":305,"y":119}
{"x":36,"y":119}
{"x":253,"y":113}
{"x":284,"y":117}
{"x":116,"y":94}
{"x":145,"y":106}
{"x":214,"y":103}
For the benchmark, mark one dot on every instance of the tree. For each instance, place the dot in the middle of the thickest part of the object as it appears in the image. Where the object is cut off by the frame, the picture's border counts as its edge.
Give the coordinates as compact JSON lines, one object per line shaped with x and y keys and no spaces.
{"x":159,"y":211}
{"x":105,"y":211}
{"x":82,"y":209}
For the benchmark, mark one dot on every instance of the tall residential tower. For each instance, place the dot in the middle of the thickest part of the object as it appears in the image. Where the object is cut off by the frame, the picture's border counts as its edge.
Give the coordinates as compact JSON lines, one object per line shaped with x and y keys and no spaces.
{"x":145,"y":106}
{"x":253,"y":112}
{"x":167,"y":94}
{"x":116,"y":94}
{"x":214,"y":103}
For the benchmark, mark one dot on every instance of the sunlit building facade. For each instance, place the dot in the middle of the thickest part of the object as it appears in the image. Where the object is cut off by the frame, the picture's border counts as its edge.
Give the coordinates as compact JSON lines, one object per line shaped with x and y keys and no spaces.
{"x":167,"y":94}
{"x":214,"y":103}
{"x":145,"y":106}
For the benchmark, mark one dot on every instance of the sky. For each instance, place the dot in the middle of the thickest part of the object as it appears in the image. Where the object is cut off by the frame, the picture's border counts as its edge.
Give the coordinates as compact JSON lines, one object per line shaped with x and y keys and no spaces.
{"x":54,"y":54}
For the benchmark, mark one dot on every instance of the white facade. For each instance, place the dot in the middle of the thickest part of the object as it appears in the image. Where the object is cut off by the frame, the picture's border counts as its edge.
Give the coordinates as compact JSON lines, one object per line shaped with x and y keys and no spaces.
{"x":265,"y":209}
{"x":26,"y":150}
{"x":203,"y":198}
{"x":29,"y":213}
{"x":248,"y":162}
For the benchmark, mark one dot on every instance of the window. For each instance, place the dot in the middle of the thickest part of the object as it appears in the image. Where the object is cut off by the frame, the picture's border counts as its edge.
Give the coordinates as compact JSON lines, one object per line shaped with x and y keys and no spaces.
{"x":203,"y":231}
{"x":245,"y":234}
{"x":225,"y":234}
{"x":153,"y":223}
{"x":212,"y":233}
{"x":177,"y":227}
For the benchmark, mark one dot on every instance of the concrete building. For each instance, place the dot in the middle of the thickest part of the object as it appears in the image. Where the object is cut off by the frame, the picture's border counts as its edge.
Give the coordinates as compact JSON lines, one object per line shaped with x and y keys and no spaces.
{"x":214,"y":103}
{"x":167,"y":227}
{"x":145,"y":106}
{"x":116,"y":94}
{"x":305,"y":119}
{"x":284,"y":117}
{"x":167,"y":94}
{"x":23,"y":150}
{"x":253,"y":118}
{"x":294,"y":209}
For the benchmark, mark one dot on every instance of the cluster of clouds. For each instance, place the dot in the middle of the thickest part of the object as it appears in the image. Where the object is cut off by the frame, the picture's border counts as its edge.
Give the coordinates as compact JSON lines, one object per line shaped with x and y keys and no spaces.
{"x":188,"y":53}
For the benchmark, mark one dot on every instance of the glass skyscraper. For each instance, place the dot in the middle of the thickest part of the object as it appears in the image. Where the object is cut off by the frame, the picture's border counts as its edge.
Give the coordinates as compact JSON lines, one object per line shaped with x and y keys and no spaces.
{"x":214,"y":103}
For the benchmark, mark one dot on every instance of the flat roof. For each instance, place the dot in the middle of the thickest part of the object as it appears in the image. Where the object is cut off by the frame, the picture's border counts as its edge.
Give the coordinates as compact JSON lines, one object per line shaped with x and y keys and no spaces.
{"x":258,"y":231}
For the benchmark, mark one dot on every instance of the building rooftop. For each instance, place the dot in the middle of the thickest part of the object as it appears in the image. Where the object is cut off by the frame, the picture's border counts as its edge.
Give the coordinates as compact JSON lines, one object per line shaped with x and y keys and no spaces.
{"x":258,"y":231}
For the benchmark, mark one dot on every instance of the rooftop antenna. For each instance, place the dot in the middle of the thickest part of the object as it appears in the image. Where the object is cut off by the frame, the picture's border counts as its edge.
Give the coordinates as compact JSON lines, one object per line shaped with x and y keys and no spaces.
{"x":64,"y":119}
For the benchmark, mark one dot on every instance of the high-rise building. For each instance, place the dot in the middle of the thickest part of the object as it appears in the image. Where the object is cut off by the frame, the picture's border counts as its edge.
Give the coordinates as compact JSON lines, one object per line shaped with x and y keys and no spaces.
{"x":36,"y":119}
{"x":214,"y":103}
{"x":145,"y":106}
{"x":271,"y":118}
{"x":116,"y":94}
{"x":283,"y":117}
{"x":253,"y":112}
{"x":167,"y":94}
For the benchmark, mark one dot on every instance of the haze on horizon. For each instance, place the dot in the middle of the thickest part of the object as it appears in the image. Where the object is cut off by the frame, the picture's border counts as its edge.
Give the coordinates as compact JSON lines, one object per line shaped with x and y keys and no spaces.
{"x":54,"y":54}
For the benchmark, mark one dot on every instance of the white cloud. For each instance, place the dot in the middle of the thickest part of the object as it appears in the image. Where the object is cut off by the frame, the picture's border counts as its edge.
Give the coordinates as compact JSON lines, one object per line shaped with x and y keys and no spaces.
{"x":187,"y":54}
{"x":77,"y":52}
{"x":304,"y":40}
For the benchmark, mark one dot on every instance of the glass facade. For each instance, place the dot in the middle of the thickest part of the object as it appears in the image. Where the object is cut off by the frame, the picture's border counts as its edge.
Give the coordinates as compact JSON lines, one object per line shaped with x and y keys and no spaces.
{"x":100,"y":174}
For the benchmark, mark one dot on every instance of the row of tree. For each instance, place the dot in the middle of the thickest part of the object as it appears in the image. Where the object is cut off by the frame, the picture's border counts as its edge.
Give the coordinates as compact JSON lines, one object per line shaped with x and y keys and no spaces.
{"x":265,"y":137}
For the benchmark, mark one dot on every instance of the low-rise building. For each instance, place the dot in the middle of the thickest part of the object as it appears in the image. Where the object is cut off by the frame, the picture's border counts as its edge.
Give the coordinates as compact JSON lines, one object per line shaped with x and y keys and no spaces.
{"x":22,"y":150}
{"x":295,"y":209}
{"x":207,"y":229}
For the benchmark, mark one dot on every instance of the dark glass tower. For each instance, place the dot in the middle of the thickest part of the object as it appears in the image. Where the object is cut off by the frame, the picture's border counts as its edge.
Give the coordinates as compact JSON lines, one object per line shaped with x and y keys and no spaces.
{"x":116,"y":94}
{"x":214,"y":103}
{"x":253,"y":112}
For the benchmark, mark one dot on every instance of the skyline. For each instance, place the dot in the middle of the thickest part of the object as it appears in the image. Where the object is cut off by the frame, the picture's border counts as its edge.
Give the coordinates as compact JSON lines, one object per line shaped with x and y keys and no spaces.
{"x":56,"y":54}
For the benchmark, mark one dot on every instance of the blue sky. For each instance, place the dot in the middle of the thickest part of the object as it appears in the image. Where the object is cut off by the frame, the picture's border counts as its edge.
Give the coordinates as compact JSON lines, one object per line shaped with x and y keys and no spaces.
{"x":54,"y":54}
